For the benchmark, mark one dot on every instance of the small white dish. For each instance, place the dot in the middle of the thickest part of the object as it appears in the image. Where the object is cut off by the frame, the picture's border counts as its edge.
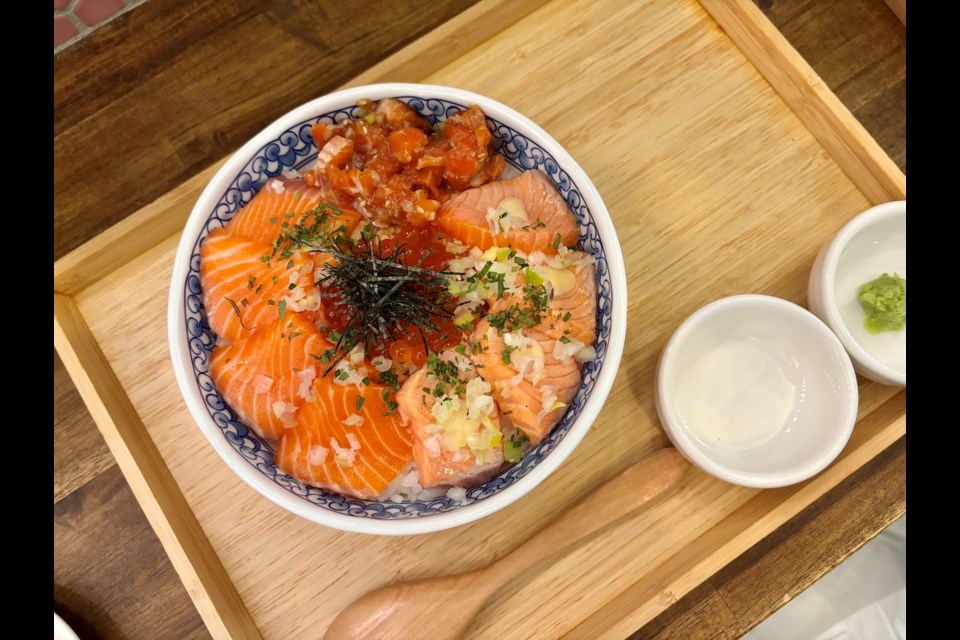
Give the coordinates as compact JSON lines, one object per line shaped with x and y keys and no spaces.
{"x":61,"y":630}
{"x":757,"y":391}
{"x":873,"y":243}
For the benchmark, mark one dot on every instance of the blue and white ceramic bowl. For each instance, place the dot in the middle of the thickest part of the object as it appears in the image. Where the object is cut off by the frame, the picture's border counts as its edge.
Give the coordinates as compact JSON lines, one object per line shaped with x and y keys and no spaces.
{"x":288,"y":144}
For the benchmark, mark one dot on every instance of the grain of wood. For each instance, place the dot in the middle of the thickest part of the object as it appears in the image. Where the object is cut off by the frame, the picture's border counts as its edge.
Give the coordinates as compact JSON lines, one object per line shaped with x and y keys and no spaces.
{"x":787,"y":547}
{"x":116,"y":146}
{"x":100,"y":536}
{"x":720,"y":234}
{"x":753,"y":585}
{"x":729,"y":538}
{"x":857,"y":153}
{"x":701,"y":614}
{"x":128,"y":238}
{"x":79,"y":453}
{"x":860,"y":50}
{"x":459,"y":35}
{"x":394,"y":612}
{"x":183,"y":540}
{"x":899,"y":8}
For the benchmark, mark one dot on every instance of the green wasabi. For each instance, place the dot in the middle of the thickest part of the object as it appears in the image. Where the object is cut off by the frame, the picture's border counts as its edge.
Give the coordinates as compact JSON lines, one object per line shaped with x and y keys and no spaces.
{"x":884,"y":300}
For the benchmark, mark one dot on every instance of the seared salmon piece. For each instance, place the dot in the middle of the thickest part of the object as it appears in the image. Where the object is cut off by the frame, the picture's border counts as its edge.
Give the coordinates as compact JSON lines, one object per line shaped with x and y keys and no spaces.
{"x":265,"y":376}
{"x":535,"y":399}
{"x":573,"y":313}
{"x":549,"y":221}
{"x":285,"y":201}
{"x":344,"y":444}
{"x":242,"y":290}
{"x":439,"y":461}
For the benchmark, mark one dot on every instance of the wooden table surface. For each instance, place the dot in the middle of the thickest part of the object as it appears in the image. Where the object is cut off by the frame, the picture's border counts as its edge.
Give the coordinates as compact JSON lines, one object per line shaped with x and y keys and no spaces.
{"x":135,"y":115}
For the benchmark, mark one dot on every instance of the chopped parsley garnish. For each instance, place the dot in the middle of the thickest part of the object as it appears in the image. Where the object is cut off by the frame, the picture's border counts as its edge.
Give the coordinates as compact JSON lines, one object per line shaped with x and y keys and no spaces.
{"x":360,"y":401}
{"x":236,"y":310}
{"x":390,"y":379}
{"x":507,"y":350}
{"x":390,"y":402}
{"x":443,"y":370}
{"x":564,"y":339}
{"x":314,"y":232}
{"x":528,"y":313}
{"x":325,"y":356}
{"x":556,"y":242}
{"x":282,"y":308}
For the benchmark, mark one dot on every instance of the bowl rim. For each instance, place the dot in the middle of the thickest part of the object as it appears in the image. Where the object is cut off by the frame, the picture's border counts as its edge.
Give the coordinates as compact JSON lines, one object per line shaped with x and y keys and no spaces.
{"x":199,"y":215}
{"x":683,"y":440}
{"x":831,"y":257}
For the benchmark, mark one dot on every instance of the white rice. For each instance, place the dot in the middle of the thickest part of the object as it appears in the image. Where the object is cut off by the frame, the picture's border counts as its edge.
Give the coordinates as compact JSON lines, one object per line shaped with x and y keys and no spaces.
{"x":458,"y":494}
{"x":406,"y":487}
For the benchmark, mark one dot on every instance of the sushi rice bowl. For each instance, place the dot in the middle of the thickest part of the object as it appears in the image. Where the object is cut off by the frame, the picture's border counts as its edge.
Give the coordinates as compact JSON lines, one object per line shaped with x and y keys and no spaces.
{"x":287,"y":148}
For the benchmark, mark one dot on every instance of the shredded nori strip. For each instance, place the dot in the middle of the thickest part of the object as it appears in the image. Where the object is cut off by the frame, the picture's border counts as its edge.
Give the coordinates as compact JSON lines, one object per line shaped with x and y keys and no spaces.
{"x":383,"y":296}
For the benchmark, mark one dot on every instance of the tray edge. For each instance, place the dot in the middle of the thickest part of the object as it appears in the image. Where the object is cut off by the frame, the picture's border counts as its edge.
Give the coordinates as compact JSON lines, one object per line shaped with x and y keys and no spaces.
{"x":850,"y":145}
{"x":213,"y":593}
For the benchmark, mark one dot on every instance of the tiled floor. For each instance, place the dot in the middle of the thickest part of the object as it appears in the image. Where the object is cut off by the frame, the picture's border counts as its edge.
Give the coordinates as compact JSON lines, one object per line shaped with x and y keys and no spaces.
{"x":73,"y":19}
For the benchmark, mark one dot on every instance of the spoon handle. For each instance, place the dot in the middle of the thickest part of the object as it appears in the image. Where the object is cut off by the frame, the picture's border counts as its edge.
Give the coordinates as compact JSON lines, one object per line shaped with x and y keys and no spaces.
{"x":622,"y":495}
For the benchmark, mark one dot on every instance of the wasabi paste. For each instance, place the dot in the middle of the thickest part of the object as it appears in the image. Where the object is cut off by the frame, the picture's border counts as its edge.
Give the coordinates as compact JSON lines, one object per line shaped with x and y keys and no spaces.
{"x":884,"y":300}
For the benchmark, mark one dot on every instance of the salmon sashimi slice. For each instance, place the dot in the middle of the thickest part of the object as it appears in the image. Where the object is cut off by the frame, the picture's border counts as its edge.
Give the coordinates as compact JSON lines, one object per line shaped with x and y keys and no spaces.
{"x":540,"y":221}
{"x":463,"y":451}
{"x":344,"y":444}
{"x":244,"y":290}
{"x":573,"y":306}
{"x":534,"y":389}
{"x":268,"y":374}
{"x":282,"y":203}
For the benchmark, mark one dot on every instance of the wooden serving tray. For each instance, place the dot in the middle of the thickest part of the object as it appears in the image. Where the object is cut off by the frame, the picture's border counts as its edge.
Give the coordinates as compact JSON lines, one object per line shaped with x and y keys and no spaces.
{"x":725,"y":164}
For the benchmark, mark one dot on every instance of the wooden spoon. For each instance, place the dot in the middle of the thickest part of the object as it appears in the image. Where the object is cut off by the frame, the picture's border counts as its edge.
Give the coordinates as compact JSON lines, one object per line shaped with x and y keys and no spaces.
{"x":442,"y":608}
